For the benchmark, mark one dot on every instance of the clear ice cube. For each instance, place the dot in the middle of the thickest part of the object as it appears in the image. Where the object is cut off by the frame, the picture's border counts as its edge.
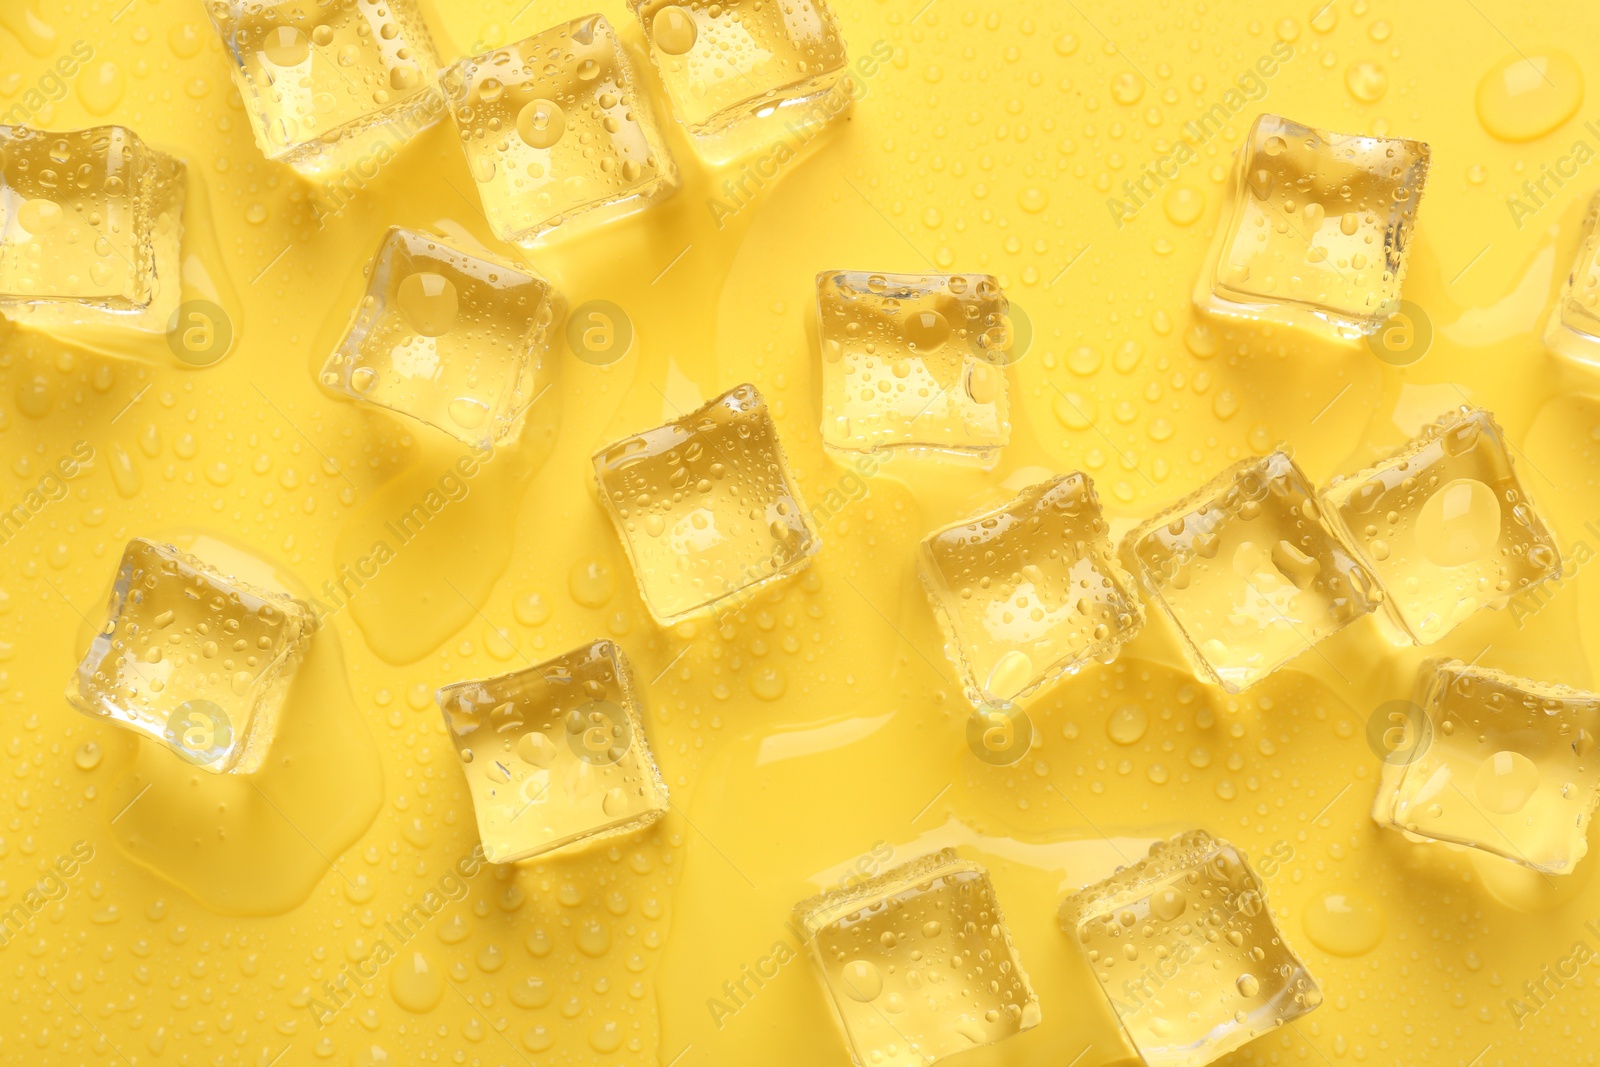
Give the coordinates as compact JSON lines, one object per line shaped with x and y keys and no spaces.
{"x":918,"y":964}
{"x":329,"y":85}
{"x":449,"y":337}
{"x":741,"y":74}
{"x":194,"y":658}
{"x":1502,"y":764}
{"x":1445,"y":525}
{"x":557,"y":132}
{"x":1316,"y":229}
{"x":1028,"y":591}
{"x":555,"y":755}
{"x":914,"y":361}
{"x":91,"y":229}
{"x":1573,"y":329}
{"x":1248,"y":571}
{"x":1186,"y":950}
{"x":706,"y":506}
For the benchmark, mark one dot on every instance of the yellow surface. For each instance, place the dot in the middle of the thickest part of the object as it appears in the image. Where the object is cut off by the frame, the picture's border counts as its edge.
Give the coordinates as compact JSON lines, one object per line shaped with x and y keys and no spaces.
{"x":332,"y":905}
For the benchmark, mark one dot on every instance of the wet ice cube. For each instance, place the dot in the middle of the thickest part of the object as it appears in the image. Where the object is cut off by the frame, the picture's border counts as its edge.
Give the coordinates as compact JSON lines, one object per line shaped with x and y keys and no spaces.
{"x":193,"y":657}
{"x":558,"y":132}
{"x":555,"y":755}
{"x":326,"y":86}
{"x":705,"y":506}
{"x":1316,"y":229}
{"x":1573,"y":329}
{"x":1028,"y":591}
{"x":1445,"y":525}
{"x":91,"y":229}
{"x":1497,"y":763}
{"x":742,"y":74}
{"x":1248,"y":571}
{"x":450,"y":337}
{"x":1186,"y":950}
{"x":914,"y":361}
{"x":917,"y":963}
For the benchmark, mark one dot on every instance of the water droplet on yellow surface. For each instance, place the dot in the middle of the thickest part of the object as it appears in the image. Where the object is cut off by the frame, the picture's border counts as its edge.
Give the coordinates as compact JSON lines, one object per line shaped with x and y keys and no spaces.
{"x":87,"y":756}
{"x":1168,"y":904}
{"x":468,"y":412}
{"x":286,"y":46}
{"x":674,"y":30}
{"x":1506,"y":781}
{"x":591,"y":582}
{"x":429,"y":302}
{"x":862,"y":980}
{"x":1459,"y":523}
{"x":1524,"y":97}
{"x":1127,"y":88}
{"x":1366,"y":81}
{"x":541,"y":123}
{"x":926,"y":330}
{"x":1033,"y":200}
{"x":1010,"y":673}
{"x":1127,"y":724}
{"x":415,"y":982}
{"x":35,"y":396}
{"x":1248,"y":985}
{"x":1345,"y":922}
{"x":768,"y":683}
{"x":40,"y":216}
{"x":100,"y":87}
{"x":1325,"y":16}
{"x":531,"y":609}
{"x":1183,"y":204}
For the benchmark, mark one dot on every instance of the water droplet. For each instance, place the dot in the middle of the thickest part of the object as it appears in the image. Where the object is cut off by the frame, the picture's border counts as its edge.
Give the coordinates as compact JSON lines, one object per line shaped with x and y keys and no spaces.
{"x":1459,"y":523}
{"x":541,"y":123}
{"x":673,"y":30}
{"x":1344,"y":922}
{"x":286,"y":46}
{"x":1506,"y":781}
{"x":1526,"y":96}
{"x":862,"y":980}
{"x":416,"y":983}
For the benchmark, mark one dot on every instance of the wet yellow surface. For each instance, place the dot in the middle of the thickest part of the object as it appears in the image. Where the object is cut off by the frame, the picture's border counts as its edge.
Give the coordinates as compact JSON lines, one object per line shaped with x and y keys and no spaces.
{"x":332,"y":907}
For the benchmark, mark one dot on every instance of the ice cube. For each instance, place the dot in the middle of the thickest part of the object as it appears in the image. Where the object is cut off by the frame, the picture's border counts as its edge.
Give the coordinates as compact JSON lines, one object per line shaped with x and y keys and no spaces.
{"x":1187,"y":952}
{"x":1573,"y":329}
{"x":557,"y":132}
{"x":1445,"y":525}
{"x":914,"y":361}
{"x":705,"y":506}
{"x":452,"y":338}
{"x":1028,"y":591}
{"x":91,"y":229}
{"x":327,"y":86}
{"x":917,"y":963}
{"x":1316,"y":228}
{"x":555,"y":755}
{"x":742,"y":74}
{"x":194,"y":658}
{"x":1248,"y":571}
{"x":1501,"y":764}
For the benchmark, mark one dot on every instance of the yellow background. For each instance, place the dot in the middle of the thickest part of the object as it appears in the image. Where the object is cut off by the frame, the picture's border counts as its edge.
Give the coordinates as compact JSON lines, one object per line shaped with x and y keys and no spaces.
{"x":820,"y":731}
